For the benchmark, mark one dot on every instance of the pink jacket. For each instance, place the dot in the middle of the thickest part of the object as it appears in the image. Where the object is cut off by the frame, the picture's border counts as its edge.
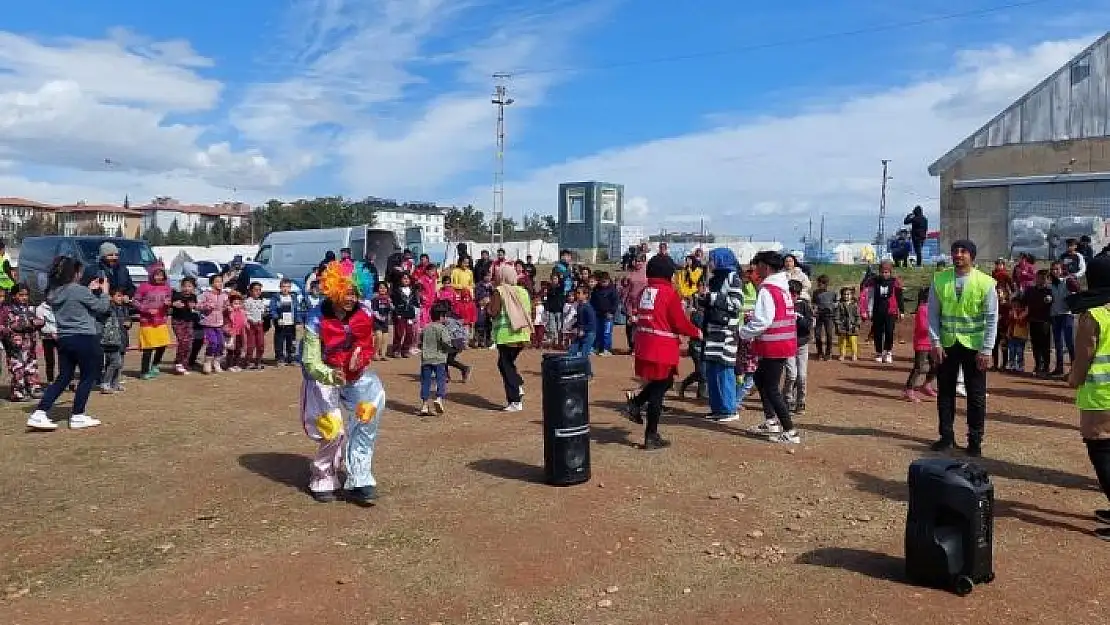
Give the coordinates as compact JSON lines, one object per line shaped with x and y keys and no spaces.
{"x":153,"y":302}
{"x":212,"y":306}
{"x":921,"y":342}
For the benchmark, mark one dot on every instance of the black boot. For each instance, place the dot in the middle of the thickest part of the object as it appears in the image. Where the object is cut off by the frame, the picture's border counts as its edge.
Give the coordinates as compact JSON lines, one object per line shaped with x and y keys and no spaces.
{"x":943,"y":444}
{"x":633,"y":410}
{"x":682,"y":389}
{"x":703,"y":392}
{"x":323,"y":496}
{"x":654,"y":441}
{"x":362,"y":494}
{"x":975,"y":447}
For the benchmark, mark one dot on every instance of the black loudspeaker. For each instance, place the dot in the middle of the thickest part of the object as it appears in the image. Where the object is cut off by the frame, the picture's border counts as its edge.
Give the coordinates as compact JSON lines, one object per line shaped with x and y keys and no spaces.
{"x":566,"y":419}
{"x":950,"y":525}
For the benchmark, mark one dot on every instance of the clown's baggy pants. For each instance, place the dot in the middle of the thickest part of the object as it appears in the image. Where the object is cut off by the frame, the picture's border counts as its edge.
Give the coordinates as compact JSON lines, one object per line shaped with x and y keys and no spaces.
{"x":344,"y":420}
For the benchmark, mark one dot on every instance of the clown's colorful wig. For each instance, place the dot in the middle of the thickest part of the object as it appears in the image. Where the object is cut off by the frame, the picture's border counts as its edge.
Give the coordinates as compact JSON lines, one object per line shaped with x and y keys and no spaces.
{"x":340,"y":276}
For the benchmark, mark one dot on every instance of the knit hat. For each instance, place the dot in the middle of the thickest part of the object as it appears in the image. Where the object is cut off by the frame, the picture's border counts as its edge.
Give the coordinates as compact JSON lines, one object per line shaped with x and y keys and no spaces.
{"x":108,"y":248}
{"x":967,"y":245}
{"x":660,"y":266}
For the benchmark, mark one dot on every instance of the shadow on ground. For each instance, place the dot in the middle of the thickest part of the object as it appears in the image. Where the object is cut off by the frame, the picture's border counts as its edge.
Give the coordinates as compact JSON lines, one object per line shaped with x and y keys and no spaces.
{"x":507,"y":469}
{"x":284,"y":468}
{"x":869,"y":563}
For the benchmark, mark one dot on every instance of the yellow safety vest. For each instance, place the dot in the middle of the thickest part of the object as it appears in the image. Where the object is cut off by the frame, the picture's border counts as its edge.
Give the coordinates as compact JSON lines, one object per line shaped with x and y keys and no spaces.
{"x":963,"y":319}
{"x":6,"y":281}
{"x":750,"y":294}
{"x":1094,"y":393}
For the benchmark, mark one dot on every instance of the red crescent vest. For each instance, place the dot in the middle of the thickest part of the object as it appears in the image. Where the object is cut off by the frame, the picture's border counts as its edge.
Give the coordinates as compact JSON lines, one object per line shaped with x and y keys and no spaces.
{"x":781,"y":339}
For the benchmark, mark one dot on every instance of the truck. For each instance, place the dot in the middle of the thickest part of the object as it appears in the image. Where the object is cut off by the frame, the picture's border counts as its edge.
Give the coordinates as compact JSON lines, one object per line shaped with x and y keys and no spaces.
{"x":295,"y":253}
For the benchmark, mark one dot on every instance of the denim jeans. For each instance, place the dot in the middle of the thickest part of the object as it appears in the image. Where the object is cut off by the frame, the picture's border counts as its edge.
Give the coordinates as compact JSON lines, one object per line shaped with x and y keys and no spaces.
{"x":1063,"y":337}
{"x":427,"y":372}
{"x":604,"y":332}
{"x":721,"y":379}
{"x":584,"y":346}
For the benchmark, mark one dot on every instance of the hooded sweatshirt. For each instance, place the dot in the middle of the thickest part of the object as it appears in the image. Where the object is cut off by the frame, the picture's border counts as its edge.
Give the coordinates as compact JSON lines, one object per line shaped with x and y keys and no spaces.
{"x":76,"y":309}
{"x":764,"y":314}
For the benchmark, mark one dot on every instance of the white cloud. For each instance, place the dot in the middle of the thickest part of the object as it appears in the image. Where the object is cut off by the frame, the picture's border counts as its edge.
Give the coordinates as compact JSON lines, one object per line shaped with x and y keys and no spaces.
{"x":766,"y":176}
{"x":67,"y":105}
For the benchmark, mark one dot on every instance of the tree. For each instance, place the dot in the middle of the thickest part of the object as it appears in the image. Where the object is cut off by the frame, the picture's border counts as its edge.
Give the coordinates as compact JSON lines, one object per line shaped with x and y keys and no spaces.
{"x":91,"y":229}
{"x":176,"y":236}
{"x":219,"y":233}
{"x":466,"y":223}
{"x":36,"y":226}
{"x":199,"y":236}
{"x":154,"y":236}
{"x":539,"y":226}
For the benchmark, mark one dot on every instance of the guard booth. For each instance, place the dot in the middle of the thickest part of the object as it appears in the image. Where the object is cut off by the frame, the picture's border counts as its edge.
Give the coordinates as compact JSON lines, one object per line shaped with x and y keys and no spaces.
{"x":590,"y":214}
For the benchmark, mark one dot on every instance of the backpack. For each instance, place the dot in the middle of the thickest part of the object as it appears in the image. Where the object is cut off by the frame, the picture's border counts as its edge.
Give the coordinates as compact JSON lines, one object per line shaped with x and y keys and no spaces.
{"x":111,"y":337}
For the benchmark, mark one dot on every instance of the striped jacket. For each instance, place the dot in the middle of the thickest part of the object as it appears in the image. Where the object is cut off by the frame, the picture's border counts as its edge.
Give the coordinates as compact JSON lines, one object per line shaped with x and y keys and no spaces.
{"x":726,"y":295}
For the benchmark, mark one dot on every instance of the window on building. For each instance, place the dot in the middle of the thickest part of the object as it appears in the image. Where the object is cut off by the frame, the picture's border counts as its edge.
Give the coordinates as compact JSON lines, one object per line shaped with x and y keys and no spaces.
{"x":1081,"y":69}
{"x":576,"y":206}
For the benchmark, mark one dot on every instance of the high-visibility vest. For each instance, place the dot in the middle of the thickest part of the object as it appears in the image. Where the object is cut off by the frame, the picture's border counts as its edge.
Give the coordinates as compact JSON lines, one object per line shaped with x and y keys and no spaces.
{"x":963,"y":319}
{"x":6,"y":281}
{"x":749,"y":297}
{"x":1094,"y":393}
{"x":780,"y":339}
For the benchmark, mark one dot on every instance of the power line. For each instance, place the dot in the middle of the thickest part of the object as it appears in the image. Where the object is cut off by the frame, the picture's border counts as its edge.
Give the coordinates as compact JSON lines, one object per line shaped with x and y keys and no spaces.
{"x":787,"y":42}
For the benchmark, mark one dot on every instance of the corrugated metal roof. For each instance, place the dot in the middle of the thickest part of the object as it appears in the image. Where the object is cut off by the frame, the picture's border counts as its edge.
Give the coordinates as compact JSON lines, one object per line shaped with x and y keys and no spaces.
{"x":1072,"y":103}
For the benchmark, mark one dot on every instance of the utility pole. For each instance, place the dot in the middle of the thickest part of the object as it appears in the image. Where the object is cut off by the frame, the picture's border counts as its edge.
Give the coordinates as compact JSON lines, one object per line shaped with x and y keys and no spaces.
{"x":822,"y":244}
{"x":882,"y":206}
{"x":501,"y":100}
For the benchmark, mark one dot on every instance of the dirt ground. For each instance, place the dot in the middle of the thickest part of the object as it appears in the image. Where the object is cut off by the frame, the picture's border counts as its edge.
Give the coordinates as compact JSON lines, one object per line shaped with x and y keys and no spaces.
{"x":187,"y":506}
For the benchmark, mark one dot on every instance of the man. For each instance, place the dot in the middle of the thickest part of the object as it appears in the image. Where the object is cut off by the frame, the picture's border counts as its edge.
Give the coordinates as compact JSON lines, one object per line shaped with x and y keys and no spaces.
{"x":530,"y":267}
{"x":919,"y":230}
{"x":7,"y":273}
{"x":632,"y":287}
{"x":501,"y":259}
{"x":773,"y":332}
{"x":1074,"y":262}
{"x":963,"y":325}
{"x":482,"y":266}
{"x":115,"y":271}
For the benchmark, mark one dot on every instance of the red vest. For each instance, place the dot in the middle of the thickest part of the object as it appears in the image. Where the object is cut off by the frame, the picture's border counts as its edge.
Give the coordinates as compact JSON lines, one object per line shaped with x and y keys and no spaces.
{"x":781,"y":339}
{"x":656,"y":340}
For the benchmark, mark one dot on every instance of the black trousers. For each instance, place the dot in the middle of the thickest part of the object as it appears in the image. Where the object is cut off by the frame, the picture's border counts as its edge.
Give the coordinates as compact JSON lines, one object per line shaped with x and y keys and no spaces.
{"x":285,"y":338}
{"x":883,"y":324}
{"x":768,"y":380}
{"x":824,"y":333}
{"x":1040,"y":339}
{"x":956,"y":358}
{"x":918,"y":243}
{"x":50,"y":354}
{"x":454,"y":362}
{"x":630,"y":334}
{"x":1098,"y":450}
{"x":506,"y":365}
{"x":651,"y":397}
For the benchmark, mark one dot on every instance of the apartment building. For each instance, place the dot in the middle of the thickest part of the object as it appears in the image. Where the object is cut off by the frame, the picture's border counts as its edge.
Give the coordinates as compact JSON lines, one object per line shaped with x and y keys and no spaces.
{"x":81,"y":218}
{"x":15,"y":211}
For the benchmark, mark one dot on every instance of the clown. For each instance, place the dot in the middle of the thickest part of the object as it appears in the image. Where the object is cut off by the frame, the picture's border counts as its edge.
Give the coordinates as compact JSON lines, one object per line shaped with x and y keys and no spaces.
{"x":337,"y":349}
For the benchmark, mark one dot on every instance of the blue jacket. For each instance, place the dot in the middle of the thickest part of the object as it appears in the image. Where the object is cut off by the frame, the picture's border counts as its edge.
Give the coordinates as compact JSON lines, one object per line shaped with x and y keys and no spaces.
{"x":605,"y":300}
{"x":275,"y":307}
{"x":587,"y":318}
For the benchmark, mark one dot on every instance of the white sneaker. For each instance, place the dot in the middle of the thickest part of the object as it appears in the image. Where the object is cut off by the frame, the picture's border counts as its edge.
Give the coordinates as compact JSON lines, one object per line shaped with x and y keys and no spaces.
{"x":206,"y":368}
{"x":216,"y":368}
{"x":767,"y":427}
{"x":961,"y":390}
{"x":82,"y":421}
{"x":180,"y":370}
{"x":879,"y":358}
{"x":789,"y":438}
{"x":522,"y":391}
{"x":39,"y":421}
{"x":515,"y":406}
{"x":235,"y":369}
{"x":888,"y":358}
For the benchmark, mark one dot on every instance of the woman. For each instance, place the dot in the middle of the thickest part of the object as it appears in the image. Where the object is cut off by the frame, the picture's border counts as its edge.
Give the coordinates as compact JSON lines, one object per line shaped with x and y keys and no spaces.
{"x":794,"y":272}
{"x":687,"y":279}
{"x":510,"y":307}
{"x":661,"y":320}
{"x":723,"y":305}
{"x":462,"y":276}
{"x":76,"y":309}
{"x":153,"y":301}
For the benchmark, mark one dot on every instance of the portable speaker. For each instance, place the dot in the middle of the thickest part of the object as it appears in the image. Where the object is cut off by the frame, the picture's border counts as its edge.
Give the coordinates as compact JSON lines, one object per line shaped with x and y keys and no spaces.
{"x":950,"y":525}
{"x":566,"y":419}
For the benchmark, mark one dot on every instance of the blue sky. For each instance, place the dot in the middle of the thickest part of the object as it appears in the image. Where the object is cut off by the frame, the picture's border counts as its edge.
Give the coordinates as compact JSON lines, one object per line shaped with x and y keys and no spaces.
{"x":252,"y":99}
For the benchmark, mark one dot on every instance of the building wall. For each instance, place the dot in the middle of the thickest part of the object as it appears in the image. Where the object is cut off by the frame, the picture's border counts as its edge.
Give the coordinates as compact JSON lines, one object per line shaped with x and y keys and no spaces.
{"x":982,"y":214}
{"x":395,"y":220}
{"x":590,"y":232}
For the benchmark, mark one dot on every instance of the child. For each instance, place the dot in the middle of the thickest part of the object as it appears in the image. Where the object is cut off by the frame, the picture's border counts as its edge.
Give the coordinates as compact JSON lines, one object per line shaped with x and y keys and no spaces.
{"x":483,"y":326}
{"x":605,"y":301}
{"x":20,"y":332}
{"x":48,"y":330}
{"x":570,"y":321}
{"x":1038,"y":303}
{"x":406,"y":304}
{"x":255,"y":308}
{"x":585,"y":328}
{"x":999,"y":352}
{"x":183,"y":317}
{"x":435,"y":345}
{"x":539,"y":321}
{"x":695,"y":348}
{"x":847,"y":324}
{"x":213,"y":307}
{"x":286,"y":311}
{"x":1019,"y":334}
{"x":235,"y":332}
{"x":381,"y":309}
{"x":152,"y":299}
{"x":923,"y":373}
{"x":314,"y":297}
{"x":824,"y":301}
{"x":746,"y":361}
{"x":446,"y":292}
{"x":553,"y":305}
{"x":114,"y":341}
{"x":336,"y":352}
{"x":794,"y":386}
{"x":459,"y":338}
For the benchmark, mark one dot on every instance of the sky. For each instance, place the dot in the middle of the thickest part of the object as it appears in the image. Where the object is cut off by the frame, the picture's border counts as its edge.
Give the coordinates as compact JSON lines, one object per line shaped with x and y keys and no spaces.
{"x":751,"y":120}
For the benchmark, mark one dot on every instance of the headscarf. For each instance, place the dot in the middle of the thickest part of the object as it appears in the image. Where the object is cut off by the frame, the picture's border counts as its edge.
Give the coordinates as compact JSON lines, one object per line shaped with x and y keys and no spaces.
{"x":510,"y":298}
{"x":506,"y":275}
{"x":722,"y":259}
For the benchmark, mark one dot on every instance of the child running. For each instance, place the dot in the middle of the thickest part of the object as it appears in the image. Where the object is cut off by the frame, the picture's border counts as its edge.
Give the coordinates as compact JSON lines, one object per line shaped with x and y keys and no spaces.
{"x":923,"y":374}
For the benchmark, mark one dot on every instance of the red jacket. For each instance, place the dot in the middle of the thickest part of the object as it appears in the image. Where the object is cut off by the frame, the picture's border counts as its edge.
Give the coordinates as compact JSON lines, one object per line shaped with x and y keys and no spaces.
{"x":660,"y":319}
{"x":921,"y":341}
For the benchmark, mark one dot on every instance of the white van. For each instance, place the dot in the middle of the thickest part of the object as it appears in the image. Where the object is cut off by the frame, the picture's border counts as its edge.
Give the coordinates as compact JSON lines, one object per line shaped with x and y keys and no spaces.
{"x":295,"y":253}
